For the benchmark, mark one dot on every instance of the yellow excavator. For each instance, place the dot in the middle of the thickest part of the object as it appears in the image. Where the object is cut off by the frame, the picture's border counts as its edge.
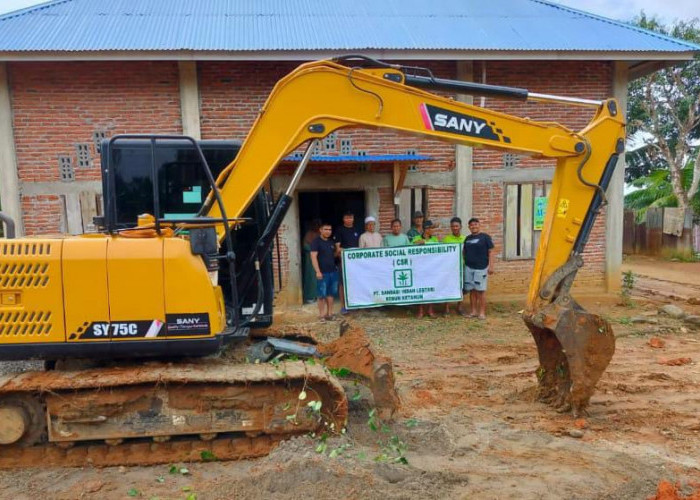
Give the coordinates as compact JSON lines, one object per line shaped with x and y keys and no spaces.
{"x":150,"y":303}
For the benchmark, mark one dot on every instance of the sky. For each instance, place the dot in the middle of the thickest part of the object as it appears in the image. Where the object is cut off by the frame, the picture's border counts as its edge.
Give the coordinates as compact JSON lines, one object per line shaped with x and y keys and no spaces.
{"x":623,"y":10}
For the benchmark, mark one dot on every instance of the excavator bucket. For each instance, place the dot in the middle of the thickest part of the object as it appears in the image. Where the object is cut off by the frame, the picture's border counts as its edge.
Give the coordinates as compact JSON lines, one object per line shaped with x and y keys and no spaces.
{"x":574,"y":348}
{"x":351,"y":352}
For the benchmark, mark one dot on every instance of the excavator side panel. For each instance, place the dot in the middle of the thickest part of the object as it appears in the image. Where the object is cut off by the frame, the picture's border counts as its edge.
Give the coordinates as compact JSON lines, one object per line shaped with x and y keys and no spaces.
{"x":193,"y":306}
{"x":85,"y":286}
{"x":31,"y":293}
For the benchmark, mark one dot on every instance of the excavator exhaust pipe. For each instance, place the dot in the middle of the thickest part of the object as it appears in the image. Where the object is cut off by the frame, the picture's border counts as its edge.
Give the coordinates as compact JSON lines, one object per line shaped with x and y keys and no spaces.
{"x":574,"y":349}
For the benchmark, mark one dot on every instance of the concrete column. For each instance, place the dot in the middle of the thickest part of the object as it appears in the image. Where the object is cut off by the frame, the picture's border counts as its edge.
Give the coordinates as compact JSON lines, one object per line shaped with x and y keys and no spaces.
{"x":9,"y":181}
{"x":372,"y":203}
{"x":615,"y":208}
{"x":189,"y":98}
{"x":290,"y":237}
{"x":463,"y":154}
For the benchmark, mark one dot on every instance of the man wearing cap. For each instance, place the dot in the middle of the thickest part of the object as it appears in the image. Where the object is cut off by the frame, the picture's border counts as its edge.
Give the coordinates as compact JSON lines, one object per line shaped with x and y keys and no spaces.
{"x":346,"y":236}
{"x":370,"y":239}
{"x":455,"y":236}
{"x":427,"y":238}
{"x":417,"y":228}
{"x":478,"y":262}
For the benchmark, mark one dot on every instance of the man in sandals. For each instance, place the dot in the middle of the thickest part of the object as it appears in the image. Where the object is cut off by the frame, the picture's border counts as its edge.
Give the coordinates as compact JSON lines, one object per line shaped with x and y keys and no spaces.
{"x":478,"y":262}
{"x":427,"y":238}
{"x":323,"y":253}
{"x":455,"y":236}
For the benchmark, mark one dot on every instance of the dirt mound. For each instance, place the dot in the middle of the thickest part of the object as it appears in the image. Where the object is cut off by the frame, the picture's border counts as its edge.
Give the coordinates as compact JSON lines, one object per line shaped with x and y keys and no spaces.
{"x":670,"y":491}
{"x":295,"y":470}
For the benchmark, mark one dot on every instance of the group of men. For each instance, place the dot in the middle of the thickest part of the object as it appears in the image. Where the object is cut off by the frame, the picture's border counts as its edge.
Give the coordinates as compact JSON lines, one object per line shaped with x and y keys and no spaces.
{"x":477,"y":250}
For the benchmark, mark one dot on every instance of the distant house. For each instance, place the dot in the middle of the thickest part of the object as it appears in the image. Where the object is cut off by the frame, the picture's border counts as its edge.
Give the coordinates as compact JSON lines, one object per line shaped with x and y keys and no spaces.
{"x":73,"y":71}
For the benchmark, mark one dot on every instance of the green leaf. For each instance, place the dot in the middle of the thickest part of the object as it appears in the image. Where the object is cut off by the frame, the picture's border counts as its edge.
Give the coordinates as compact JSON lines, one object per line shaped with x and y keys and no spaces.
{"x":160,"y":479}
{"x":311,"y":361}
{"x":334,"y":453}
{"x":173,"y":469}
{"x":185,"y":489}
{"x":321,"y":448}
{"x":340,"y":372}
{"x":356,"y":397}
{"x":133,"y":492}
{"x":184,"y":471}
{"x":208,"y":456}
{"x":411,"y":422}
{"x":302,"y":395}
{"x":191,"y":496}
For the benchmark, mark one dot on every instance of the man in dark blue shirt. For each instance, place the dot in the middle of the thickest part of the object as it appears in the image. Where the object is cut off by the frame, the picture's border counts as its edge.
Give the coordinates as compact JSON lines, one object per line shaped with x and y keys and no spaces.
{"x":478,"y":264}
{"x":346,"y":236}
{"x":323,"y":255}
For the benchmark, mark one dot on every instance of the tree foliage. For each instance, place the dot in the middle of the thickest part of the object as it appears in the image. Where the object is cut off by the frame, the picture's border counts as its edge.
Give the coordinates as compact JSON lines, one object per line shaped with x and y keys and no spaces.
{"x":665,"y":107}
{"x":655,"y":190}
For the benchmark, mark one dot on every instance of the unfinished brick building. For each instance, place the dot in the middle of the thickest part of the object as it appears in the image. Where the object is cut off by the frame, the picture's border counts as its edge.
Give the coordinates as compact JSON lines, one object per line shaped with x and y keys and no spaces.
{"x":75,"y":71}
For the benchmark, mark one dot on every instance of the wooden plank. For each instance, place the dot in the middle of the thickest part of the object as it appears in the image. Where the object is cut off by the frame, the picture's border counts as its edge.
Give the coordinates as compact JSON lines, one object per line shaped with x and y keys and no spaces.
{"x":654,"y":235}
{"x":511,"y":221}
{"x":628,"y":233}
{"x":399,"y":179}
{"x":526,"y":216}
{"x":418,"y":200}
{"x":88,"y":209}
{"x":74,"y":219}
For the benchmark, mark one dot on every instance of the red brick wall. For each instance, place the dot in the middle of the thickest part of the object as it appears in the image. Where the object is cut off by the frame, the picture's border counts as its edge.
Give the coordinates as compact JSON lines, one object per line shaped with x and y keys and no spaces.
{"x":232,"y":94}
{"x":592,"y":80}
{"x":56,"y":105}
{"x":42,"y":214}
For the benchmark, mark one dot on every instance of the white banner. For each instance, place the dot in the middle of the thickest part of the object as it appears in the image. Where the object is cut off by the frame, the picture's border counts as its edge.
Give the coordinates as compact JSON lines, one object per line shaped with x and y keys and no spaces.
{"x":418,"y":274}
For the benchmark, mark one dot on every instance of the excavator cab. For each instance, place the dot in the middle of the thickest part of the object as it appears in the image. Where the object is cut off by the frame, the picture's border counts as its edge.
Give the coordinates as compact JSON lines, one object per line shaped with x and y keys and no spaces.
{"x":175,"y":171}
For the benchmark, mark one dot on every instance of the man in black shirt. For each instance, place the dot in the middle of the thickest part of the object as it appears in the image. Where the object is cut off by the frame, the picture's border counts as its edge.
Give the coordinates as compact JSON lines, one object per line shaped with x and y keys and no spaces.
{"x":323,"y":254}
{"x":478,"y":264}
{"x":346,"y":236}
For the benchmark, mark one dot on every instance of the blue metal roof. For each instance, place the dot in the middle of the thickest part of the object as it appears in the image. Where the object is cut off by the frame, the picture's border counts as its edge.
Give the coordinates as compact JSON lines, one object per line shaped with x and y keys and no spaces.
{"x":360,"y":158}
{"x":337,"y":25}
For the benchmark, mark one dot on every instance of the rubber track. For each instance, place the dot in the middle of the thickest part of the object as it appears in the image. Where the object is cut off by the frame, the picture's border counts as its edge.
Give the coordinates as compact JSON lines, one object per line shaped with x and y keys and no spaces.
{"x":138,"y":453}
{"x":181,"y":448}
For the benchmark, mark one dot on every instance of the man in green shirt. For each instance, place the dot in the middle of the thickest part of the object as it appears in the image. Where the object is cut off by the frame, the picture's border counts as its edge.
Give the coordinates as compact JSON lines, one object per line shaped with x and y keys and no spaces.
{"x":455,"y":236}
{"x":427,"y":238}
{"x":417,"y":228}
{"x":396,"y":238}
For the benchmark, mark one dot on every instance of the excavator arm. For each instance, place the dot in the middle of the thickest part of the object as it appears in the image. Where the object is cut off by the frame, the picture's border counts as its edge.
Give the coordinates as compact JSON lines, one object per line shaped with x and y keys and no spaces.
{"x":321,"y":97}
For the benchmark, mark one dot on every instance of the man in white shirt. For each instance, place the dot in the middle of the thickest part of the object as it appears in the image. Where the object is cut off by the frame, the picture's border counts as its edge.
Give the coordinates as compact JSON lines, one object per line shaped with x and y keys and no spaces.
{"x":370,"y":239}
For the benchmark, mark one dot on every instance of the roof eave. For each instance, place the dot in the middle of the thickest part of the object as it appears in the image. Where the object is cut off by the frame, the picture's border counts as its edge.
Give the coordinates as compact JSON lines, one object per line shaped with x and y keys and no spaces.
{"x":665,"y":58}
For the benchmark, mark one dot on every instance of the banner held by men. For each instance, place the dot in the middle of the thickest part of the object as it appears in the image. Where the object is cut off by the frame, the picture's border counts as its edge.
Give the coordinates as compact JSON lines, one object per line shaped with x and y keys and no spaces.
{"x":421,"y":274}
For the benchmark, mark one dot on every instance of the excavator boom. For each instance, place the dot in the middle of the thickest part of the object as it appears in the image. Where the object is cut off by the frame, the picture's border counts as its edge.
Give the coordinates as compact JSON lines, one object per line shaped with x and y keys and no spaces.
{"x":321,"y":97}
